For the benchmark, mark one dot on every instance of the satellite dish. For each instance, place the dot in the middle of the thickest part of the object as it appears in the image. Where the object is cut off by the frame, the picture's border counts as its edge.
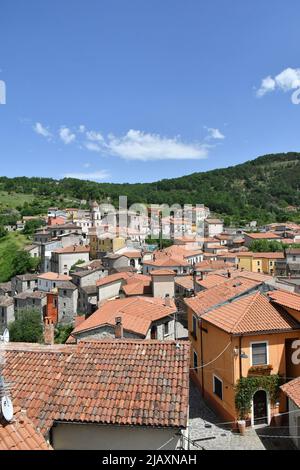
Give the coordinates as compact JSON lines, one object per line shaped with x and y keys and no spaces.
{"x":6,"y":336}
{"x":7,"y":408}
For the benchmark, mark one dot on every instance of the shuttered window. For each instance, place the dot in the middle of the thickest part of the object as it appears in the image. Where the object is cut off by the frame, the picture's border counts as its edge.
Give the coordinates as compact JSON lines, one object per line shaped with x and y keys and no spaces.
{"x":259,"y":354}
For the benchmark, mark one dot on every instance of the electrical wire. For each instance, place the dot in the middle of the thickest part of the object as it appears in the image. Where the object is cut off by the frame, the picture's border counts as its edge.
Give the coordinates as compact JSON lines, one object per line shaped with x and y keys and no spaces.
{"x":213,"y":360}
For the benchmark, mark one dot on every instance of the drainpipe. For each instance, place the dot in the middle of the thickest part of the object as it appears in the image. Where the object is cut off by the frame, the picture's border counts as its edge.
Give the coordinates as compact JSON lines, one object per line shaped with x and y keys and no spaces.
{"x":240,"y":359}
{"x":202,"y":360}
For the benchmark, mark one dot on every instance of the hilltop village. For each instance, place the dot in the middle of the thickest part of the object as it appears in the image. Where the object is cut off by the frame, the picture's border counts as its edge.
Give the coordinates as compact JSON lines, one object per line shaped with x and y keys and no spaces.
{"x":192,"y":315}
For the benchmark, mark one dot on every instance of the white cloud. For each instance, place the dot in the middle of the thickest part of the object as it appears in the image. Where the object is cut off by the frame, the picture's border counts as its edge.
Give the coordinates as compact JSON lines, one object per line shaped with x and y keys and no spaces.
{"x":214,"y":133}
{"x":96,"y":175}
{"x":94,"y":136}
{"x":66,"y":135}
{"x":41,"y":130}
{"x":86,"y":165}
{"x":138,"y":145}
{"x":288,"y":79}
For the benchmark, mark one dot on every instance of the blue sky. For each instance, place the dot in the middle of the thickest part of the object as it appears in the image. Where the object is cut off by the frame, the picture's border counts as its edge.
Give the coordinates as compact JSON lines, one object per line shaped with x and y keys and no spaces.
{"x":140,"y":90}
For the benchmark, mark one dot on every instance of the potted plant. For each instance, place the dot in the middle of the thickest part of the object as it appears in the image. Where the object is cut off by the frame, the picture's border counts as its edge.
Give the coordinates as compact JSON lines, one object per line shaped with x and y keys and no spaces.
{"x":242,"y":426}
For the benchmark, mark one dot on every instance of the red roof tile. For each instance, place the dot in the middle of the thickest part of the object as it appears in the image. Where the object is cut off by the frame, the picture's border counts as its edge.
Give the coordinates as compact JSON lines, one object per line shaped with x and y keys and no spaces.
{"x":21,"y":434}
{"x":292,"y":390}
{"x":219,"y":294}
{"x":286,"y":299}
{"x":250,"y":314}
{"x":137,"y":314}
{"x":129,"y":382}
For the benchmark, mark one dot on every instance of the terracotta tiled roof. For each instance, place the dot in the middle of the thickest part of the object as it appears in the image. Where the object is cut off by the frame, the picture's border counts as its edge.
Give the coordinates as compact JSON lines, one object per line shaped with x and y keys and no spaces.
{"x":269,"y":255}
{"x":167,"y":261}
{"x":21,"y":434}
{"x":250,"y":314}
{"x":6,"y":301}
{"x":212,"y":280}
{"x":213,"y":221}
{"x":285,"y":299}
{"x":262,"y":235}
{"x":137,"y":314}
{"x":292,"y":390}
{"x":73,"y":249}
{"x":112,"y":278}
{"x":162,"y":272}
{"x":185,"y":281}
{"x":137,"y":284}
{"x":256,"y":276}
{"x":130,"y":382}
{"x":54,"y":277}
{"x":212,"y":265}
{"x":131,"y":254}
{"x":217,"y":295}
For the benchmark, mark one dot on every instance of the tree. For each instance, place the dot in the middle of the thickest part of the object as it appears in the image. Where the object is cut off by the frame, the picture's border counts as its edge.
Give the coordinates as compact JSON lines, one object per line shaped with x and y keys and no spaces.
{"x":27,"y":327}
{"x":22,"y":262}
{"x":259,"y":246}
{"x":3,"y":232}
{"x":62,"y":333}
{"x":32,"y":225}
{"x":74,"y":266}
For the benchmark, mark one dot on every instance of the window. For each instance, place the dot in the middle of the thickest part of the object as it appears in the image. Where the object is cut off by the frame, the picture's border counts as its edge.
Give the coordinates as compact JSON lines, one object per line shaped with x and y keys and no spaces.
{"x":166,"y":329}
{"x":218,"y":387}
{"x":194,"y":330}
{"x":259,"y":353}
{"x":271,"y":263}
{"x":294,"y":258}
{"x":258,"y":263}
{"x":195,"y":360}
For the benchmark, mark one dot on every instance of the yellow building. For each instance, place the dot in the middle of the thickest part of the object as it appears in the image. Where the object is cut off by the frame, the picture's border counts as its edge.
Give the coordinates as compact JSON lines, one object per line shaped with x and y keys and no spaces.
{"x":259,"y":262}
{"x":244,"y":338}
{"x":104,"y":244}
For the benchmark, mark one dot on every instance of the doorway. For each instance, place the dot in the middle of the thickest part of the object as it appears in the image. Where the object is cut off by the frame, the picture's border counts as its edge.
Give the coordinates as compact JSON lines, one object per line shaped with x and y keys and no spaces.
{"x":260,"y":408}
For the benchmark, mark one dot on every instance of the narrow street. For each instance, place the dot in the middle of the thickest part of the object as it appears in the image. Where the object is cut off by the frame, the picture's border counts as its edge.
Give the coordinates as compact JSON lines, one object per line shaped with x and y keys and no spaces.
{"x":206,"y":432}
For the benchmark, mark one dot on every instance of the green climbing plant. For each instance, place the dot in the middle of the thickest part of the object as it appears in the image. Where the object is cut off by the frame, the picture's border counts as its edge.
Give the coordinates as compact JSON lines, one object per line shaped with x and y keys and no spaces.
{"x":247,"y":386}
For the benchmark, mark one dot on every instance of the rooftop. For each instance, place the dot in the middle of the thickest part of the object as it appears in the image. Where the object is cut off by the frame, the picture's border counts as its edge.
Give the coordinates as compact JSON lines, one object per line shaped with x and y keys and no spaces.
{"x":220,"y":294}
{"x":123,"y":382}
{"x":21,"y":434}
{"x":285,"y":299}
{"x":292,"y":390}
{"x":252,"y":314}
{"x":137,"y":314}
{"x":54,"y":277}
{"x":73,"y":249}
{"x":262,"y":235}
{"x":6,"y":301}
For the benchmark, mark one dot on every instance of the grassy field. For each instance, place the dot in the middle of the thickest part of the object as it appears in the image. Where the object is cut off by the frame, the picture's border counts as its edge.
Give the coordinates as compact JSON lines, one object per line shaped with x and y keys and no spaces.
{"x":14,"y":200}
{"x":8,"y":247}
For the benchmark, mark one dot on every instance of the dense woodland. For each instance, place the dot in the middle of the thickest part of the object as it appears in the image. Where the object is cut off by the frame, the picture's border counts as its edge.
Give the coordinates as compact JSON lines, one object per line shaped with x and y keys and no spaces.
{"x":265,"y":189}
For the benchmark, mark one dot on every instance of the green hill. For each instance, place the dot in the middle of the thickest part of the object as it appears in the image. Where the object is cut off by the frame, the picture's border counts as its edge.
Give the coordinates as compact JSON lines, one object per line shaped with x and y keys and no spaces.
{"x":265,"y":189}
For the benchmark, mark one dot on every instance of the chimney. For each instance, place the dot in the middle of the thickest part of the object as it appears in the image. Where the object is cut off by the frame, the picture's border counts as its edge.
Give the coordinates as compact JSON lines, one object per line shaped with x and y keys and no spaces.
{"x":119,"y":328}
{"x":167,"y":300}
{"x":48,"y":331}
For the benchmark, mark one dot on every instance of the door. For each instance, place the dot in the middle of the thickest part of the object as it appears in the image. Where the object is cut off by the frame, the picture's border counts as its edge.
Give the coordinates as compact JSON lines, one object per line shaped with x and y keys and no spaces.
{"x":260,"y":408}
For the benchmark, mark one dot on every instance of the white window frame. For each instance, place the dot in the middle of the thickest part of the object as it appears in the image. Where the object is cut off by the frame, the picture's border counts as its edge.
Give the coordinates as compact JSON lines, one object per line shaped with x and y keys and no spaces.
{"x":214,"y":390}
{"x":251,"y":355}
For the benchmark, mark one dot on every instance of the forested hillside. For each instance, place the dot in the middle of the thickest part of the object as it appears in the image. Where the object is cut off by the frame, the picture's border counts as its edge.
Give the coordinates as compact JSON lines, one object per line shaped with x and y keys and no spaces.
{"x":265,"y":189}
